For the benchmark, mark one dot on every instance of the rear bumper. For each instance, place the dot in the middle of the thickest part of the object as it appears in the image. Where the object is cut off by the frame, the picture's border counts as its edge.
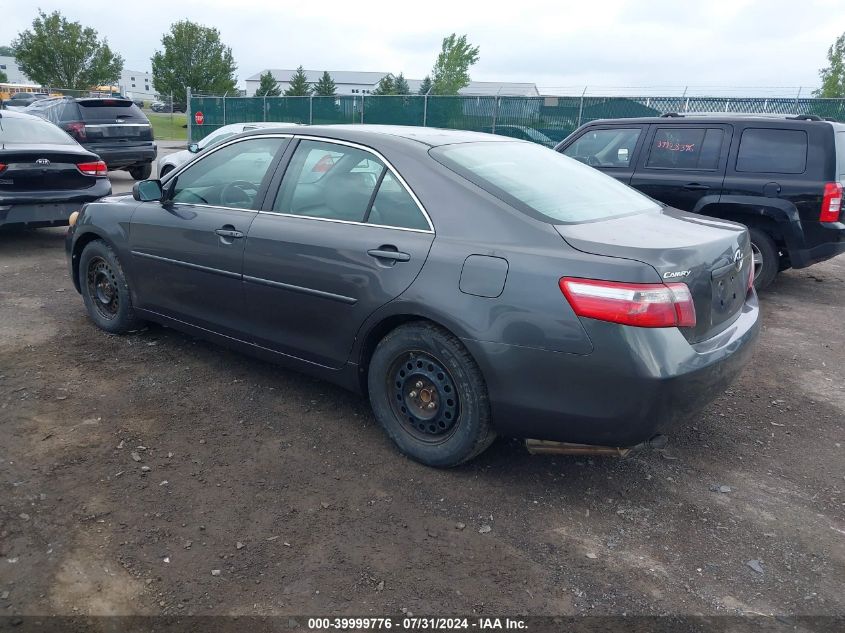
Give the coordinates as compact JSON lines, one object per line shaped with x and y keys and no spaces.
{"x":122,"y":157}
{"x":801,"y":258}
{"x":53,"y":208}
{"x":637,"y":382}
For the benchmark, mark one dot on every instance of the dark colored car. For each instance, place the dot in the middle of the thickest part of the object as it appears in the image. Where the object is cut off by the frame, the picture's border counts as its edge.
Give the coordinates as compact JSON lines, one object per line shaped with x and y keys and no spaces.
{"x":782,"y":177}
{"x":21,"y":100}
{"x":468,"y":283}
{"x":44,"y":174}
{"x":113,"y":128}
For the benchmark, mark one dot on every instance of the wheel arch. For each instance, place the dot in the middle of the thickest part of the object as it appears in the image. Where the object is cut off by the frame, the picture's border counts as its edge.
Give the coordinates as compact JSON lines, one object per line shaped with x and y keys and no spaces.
{"x":78,"y":246}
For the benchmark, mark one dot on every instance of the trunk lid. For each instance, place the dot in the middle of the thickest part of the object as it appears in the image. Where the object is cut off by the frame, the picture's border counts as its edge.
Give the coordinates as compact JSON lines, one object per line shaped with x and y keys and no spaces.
{"x":114,"y":121}
{"x":44,"y":168}
{"x":682,"y":247}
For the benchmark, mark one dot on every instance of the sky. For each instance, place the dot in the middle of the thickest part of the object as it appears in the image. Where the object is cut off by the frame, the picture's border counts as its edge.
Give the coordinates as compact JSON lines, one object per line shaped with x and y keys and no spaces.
{"x":724,"y":46}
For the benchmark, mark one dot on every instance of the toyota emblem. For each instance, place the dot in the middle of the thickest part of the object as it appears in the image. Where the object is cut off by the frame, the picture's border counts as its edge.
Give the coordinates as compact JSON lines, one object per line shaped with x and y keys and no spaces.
{"x":738,"y":259}
{"x":42,"y":161}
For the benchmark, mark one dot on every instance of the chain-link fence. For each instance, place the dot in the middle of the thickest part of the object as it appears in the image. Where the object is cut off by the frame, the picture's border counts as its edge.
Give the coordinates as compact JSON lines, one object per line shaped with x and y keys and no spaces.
{"x":544,"y":120}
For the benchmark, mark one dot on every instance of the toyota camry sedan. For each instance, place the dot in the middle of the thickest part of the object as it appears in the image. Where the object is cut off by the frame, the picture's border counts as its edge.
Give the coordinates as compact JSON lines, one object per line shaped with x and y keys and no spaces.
{"x":469,"y":285}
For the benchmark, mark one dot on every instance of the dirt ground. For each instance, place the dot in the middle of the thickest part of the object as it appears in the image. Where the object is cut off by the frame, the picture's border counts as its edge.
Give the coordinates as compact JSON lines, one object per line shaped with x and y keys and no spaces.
{"x":156,"y":474}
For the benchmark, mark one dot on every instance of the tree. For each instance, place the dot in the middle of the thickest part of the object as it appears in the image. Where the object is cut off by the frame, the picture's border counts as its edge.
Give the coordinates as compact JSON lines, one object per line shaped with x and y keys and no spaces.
{"x":267,"y":86}
{"x":401,"y":86}
{"x":7,"y":51}
{"x":833,"y":77}
{"x":299,"y":86}
{"x":385,"y":86}
{"x":451,"y":71}
{"x":325,"y":87}
{"x":425,"y":86}
{"x":65,"y":54}
{"x":193,"y":57}
{"x":3,"y":77}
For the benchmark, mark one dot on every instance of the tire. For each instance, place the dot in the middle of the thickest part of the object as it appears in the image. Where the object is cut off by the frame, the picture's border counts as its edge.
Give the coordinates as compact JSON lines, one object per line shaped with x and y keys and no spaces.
{"x":105,"y":291}
{"x":141,"y":172}
{"x":166,"y":170}
{"x":766,"y":258}
{"x":418,"y":364}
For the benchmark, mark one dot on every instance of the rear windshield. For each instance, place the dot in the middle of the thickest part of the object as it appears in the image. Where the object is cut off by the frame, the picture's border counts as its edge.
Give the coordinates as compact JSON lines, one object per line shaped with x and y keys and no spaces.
{"x":541,"y":181}
{"x":32,"y":132}
{"x":840,"y":155}
{"x":111,"y":110}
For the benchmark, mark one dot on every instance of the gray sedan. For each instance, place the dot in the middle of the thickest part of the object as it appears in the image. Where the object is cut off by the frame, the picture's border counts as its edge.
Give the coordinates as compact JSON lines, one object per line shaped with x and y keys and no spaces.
{"x":470,"y":285}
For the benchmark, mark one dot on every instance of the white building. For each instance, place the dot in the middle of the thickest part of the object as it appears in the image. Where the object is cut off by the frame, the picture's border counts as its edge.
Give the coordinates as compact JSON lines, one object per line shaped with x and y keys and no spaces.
{"x":137,"y":84}
{"x":355,"y":82}
{"x":9,"y":66}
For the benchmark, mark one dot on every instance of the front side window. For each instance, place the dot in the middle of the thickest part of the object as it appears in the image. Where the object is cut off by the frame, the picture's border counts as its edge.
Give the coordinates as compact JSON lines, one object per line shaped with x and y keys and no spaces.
{"x":605,"y":148}
{"x":538,"y":180}
{"x":679,"y":147}
{"x":337,"y":182}
{"x":765,"y":150}
{"x":229,"y":177}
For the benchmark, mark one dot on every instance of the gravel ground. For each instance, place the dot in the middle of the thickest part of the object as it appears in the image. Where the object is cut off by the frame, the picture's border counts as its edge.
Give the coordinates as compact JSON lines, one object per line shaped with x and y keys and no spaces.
{"x":157,"y":474}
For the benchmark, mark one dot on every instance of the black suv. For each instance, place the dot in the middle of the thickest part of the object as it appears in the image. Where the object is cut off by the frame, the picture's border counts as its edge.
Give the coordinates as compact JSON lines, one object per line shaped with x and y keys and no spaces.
{"x":113,"y":128}
{"x":780,"y":176}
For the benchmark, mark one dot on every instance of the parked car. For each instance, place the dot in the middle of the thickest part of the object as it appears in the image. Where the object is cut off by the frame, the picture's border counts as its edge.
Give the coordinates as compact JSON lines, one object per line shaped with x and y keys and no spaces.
{"x":44,"y":174}
{"x":521,"y":132}
{"x":470,"y":284}
{"x":168,"y":163}
{"x":166,"y":106}
{"x":781,"y":176}
{"x":20,"y":100}
{"x":115,"y":129}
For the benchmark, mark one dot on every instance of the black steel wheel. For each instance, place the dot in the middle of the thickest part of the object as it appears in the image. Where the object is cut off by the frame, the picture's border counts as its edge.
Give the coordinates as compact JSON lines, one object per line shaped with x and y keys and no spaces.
{"x":428,"y":394}
{"x":104,"y":288}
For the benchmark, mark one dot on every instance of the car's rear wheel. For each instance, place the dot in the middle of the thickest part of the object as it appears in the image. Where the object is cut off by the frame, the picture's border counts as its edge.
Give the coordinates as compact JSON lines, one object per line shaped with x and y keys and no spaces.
{"x":428,"y":394}
{"x":766,"y":258}
{"x":105,"y":290}
{"x":141,"y":172}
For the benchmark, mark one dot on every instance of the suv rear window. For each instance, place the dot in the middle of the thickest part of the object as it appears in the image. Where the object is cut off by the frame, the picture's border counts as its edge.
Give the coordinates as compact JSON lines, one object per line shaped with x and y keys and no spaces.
{"x":840,"y":154}
{"x":766,"y":150}
{"x":541,"y":181}
{"x":110,"y":110}
{"x":679,"y":147}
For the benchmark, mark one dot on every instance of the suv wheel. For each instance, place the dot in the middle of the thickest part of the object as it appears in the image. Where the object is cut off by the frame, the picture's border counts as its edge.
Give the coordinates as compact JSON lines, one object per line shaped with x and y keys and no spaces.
{"x":429,"y":395}
{"x":766,"y":258}
{"x":141,"y":172}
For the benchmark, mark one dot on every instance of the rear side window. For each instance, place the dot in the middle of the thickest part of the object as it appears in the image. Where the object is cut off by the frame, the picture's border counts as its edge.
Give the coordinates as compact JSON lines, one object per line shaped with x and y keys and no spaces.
{"x":686,"y":148}
{"x":765,"y":150}
{"x":540,"y":181}
{"x":605,"y":148}
{"x":111,"y":110}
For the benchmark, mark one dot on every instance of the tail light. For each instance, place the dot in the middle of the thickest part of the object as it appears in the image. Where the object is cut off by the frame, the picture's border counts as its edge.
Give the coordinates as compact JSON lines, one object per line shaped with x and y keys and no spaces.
{"x":831,"y":203}
{"x":76,"y":130}
{"x":2,"y":166}
{"x":640,"y":305}
{"x":97,"y":168}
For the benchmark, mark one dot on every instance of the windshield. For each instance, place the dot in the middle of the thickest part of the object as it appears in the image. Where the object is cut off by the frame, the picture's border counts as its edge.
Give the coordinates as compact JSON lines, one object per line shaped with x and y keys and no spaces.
{"x":32,"y":132}
{"x":540,"y":180}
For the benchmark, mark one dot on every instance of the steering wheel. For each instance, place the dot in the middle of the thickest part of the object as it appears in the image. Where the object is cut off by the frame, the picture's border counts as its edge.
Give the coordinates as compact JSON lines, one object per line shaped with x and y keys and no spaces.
{"x":235,"y":194}
{"x":592,"y":161}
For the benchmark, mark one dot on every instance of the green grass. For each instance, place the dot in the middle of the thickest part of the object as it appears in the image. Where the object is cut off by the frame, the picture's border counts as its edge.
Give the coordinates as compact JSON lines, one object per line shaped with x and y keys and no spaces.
{"x":168,"y":127}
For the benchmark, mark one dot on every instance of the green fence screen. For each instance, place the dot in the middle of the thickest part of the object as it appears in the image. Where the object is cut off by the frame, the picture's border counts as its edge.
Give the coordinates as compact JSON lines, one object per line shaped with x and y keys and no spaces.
{"x":545,"y":120}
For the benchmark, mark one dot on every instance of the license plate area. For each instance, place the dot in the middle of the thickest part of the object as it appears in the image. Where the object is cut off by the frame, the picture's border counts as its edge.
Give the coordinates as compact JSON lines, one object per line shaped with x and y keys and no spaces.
{"x":728,"y":291}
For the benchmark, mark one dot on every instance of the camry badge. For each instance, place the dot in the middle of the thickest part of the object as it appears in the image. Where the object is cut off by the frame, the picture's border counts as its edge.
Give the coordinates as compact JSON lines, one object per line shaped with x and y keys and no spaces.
{"x":42,"y":161}
{"x":673,"y":274}
{"x":738,"y":256}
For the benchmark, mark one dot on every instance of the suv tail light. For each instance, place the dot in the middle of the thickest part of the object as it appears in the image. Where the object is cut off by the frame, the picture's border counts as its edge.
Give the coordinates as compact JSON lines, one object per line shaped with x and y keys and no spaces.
{"x":640,"y":305}
{"x":2,"y":166}
{"x":831,"y":203}
{"x":77,"y":130}
{"x":97,"y":168}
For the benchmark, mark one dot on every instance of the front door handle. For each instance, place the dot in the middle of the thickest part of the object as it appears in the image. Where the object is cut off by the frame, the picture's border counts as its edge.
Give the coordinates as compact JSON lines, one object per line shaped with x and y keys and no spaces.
{"x":230,"y":233}
{"x":394,"y":255}
{"x":696,"y":186}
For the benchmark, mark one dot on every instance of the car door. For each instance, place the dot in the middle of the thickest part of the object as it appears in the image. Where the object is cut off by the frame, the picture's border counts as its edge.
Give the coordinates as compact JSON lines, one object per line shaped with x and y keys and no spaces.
{"x":683,"y":165}
{"x":612,"y":149}
{"x":187,"y":250}
{"x":342,"y":236}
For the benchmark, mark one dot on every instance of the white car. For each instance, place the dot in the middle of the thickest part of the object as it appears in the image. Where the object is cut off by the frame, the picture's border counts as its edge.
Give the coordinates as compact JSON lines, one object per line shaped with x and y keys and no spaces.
{"x":168,"y":163}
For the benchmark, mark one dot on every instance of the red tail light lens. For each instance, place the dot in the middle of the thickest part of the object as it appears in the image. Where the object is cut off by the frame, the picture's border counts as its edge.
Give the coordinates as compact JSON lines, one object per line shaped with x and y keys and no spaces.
{"x":76,"y":130}
{"x":2,"y":166}
{"x":640,"y":305}
{"x":831,"y":203}
{"x":97,"y":168}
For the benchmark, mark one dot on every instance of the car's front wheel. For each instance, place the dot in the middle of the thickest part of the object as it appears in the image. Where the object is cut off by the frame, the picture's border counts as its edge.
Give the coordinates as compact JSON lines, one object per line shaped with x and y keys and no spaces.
{"x":428,"y":394}
{"x":141,"y":172}
{"x":105,"y":290}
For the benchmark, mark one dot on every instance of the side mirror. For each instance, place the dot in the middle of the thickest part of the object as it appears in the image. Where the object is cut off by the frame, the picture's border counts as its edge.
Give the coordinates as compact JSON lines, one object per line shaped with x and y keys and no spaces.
{"x":622,"y":155}
{"x":147,"y":190}
{"x":194,"y":148}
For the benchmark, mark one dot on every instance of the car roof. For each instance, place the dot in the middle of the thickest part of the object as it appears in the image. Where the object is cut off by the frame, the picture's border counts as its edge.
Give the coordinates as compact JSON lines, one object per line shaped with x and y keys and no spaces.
{"x":706,"y":117}
{"x":17,"y":114}
{"x":387,"y":134}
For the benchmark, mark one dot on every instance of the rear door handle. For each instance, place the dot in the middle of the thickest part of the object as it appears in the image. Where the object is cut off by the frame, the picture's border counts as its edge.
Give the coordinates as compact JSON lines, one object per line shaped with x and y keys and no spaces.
{"x":695,"y":186}
{"x":381,"y":253}
{"x":229,"y":233}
